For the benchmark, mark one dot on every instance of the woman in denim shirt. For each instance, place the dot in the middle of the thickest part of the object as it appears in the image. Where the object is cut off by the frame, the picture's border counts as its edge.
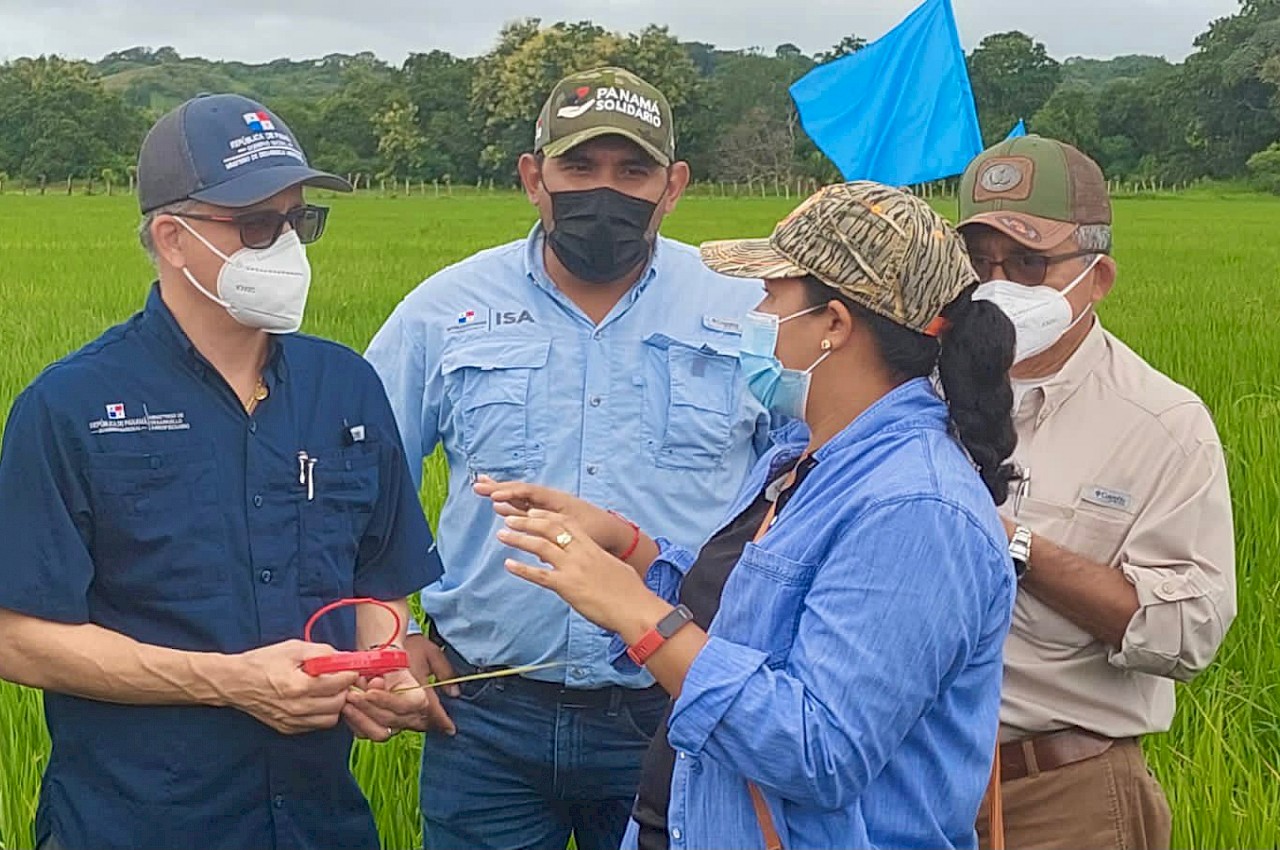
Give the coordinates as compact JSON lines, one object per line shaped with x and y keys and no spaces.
{"x":834,"y":651}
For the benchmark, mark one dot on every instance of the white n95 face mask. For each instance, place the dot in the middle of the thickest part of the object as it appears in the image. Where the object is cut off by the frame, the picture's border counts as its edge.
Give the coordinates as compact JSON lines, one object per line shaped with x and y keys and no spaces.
{"x":1041,"y":315}
{"x":263,"y":288}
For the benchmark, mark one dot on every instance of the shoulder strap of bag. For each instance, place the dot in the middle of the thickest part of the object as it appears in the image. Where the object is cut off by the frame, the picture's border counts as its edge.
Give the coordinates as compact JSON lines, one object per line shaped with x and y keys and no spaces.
{"x":770,"y":833}
{"x":772,"y":841}
{"x":995,"y":805}
{"x":773,"y":510}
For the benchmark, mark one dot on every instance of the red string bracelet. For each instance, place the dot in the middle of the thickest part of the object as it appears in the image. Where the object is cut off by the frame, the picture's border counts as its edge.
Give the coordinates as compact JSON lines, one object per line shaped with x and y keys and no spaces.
{"x":635,"y":538}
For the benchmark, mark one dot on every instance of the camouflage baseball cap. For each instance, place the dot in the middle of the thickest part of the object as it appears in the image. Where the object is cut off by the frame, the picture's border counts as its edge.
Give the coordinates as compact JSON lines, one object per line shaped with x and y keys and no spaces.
{"x":1036,"y":191}
{"x":606,"y":102}
{"x":884,"y":249}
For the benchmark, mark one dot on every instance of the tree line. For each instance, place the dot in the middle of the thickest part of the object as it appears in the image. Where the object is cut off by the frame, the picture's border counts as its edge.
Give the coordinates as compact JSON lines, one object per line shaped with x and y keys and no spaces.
{"x":450,"y":119}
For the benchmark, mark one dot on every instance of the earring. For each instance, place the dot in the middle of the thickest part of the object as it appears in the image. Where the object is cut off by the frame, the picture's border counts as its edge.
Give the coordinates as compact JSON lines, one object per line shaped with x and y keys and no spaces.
{"x":826,"y":345}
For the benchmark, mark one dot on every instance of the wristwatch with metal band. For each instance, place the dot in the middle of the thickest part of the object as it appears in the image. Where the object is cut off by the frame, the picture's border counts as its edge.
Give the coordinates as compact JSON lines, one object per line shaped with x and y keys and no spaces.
{"x":1020,"y":550}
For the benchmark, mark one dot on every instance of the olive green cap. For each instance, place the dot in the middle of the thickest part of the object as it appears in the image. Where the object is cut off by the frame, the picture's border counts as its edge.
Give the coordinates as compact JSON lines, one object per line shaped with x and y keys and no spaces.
{"x":606,"y":102}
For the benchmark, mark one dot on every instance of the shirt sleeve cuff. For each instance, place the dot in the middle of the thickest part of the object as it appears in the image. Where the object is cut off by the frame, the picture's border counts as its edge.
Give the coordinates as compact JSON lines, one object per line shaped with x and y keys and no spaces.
{"x":664,"y":577}
{"x":714,"y":681}
{"x":1172,"y":611}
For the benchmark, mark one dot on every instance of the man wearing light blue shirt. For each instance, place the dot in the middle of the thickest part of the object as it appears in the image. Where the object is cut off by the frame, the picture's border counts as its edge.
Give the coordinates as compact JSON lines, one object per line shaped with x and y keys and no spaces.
{"x":596,"y":358}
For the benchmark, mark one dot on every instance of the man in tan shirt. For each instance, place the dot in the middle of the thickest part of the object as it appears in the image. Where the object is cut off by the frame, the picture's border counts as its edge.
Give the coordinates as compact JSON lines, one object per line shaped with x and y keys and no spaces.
{"x":1121,"y":526}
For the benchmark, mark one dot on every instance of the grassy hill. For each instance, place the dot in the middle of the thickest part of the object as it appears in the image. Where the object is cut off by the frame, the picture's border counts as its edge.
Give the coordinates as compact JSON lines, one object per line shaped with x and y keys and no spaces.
{"x":159,"y":80}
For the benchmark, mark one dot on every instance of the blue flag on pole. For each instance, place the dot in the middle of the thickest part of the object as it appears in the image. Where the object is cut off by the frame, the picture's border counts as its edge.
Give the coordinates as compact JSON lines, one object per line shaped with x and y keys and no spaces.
{"x":1019,"y":130}
{"x":900,"y":111}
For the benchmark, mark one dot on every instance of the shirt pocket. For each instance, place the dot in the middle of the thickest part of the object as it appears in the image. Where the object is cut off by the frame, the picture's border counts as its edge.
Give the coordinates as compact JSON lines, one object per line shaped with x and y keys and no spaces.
{"x":344,"y":489}
{"x":763,"y":600}
{"x":691,"y":408}
{"x":488,"y":383}
{"x":1079,"y":533}
{"x":159,"y":528}
{"x":1097,"y":533}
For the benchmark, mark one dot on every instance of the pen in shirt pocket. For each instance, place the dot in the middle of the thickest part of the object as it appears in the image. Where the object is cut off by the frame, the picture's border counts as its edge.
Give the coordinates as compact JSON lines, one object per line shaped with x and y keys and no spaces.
{"x":307,"y":474}
{"x":1023,"y":491}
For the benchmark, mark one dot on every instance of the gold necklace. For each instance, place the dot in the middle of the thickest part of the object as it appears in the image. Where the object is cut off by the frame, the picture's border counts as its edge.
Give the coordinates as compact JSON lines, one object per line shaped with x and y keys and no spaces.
{"x":260,"y":393}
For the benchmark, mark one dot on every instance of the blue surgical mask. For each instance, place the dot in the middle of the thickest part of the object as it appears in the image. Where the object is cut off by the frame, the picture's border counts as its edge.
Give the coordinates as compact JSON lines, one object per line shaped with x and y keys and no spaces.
{"x":781,"y":390}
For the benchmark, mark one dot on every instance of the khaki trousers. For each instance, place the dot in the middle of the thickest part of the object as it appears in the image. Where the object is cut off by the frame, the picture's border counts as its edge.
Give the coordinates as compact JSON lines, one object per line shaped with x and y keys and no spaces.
{"x":1110,"y":801}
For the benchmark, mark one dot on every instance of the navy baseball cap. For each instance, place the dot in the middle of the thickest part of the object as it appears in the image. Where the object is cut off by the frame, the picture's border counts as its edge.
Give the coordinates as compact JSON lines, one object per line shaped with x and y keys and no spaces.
{"x":225,"y":150}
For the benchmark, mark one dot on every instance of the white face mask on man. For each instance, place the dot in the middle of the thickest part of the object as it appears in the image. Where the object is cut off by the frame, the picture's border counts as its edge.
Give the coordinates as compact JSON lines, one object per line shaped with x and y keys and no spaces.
{"x":1041,"y":315}
{"x":263,"y":288}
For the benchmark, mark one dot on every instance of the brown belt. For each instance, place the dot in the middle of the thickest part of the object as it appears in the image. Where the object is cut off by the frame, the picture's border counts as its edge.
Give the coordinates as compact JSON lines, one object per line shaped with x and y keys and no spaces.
{"x":1051,"y":751}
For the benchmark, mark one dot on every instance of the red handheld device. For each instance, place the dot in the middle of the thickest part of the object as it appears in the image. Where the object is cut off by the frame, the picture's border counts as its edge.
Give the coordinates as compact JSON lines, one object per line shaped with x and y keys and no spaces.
{"x":368,"y":663}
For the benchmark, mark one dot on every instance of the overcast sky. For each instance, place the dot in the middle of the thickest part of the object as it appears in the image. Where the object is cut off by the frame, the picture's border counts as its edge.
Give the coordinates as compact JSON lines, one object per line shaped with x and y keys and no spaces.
{"x":260,"y":31}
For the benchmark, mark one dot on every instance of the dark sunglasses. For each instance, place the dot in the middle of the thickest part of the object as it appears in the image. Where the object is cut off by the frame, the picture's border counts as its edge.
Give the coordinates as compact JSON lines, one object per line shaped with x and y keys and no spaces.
{"x":1029,"y":269}
{"x":261,"y":228}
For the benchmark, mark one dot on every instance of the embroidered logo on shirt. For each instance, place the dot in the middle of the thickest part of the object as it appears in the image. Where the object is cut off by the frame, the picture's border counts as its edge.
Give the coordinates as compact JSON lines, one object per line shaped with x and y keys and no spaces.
{"x":118,"y":423}
{"x":512,"y":318}
{"x":469,"y":320}
{"x":725,"y":326}
{"x":1106,"y":497}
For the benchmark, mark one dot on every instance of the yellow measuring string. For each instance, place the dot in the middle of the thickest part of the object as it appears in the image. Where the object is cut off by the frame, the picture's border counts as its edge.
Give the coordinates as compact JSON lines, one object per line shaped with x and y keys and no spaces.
{"x":475,"y":677}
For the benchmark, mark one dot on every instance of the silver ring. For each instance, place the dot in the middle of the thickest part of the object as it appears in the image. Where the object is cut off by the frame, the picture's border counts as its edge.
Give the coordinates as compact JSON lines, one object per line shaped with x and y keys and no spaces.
{"x":391,"y":733}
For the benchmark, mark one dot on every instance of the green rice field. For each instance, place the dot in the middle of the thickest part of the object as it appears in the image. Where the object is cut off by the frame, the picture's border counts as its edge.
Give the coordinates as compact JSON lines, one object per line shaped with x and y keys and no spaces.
{"x":1197,"y":295}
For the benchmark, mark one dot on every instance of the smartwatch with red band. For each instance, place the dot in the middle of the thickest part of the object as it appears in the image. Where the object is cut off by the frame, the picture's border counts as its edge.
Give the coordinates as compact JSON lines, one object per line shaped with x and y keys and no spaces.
{"x":679,"y":617}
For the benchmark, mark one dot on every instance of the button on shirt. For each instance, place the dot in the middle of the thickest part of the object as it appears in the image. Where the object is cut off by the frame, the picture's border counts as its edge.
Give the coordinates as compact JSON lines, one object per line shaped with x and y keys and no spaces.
{"x":137,"y":494}
{"x":1126,"y":469}
{"x":646,"y":414}
{"x":853,"y":669}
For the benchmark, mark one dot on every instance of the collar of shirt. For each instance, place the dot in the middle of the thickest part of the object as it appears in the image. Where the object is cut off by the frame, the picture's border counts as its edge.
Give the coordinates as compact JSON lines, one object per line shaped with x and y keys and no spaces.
{"x":787,"y":443}
{"x":1055,"y":392}
{"x":160,"y":323}
{"x":911,"y":405}
{"x":535,"y":265}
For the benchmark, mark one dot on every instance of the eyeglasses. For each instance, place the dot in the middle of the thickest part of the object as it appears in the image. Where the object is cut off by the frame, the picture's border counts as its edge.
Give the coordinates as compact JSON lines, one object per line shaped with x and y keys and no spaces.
{"x":261,"y":228}
{"x":1028,"y":269}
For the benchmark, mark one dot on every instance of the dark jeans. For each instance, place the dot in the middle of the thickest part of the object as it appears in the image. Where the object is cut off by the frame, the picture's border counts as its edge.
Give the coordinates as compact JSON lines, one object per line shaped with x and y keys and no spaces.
{"x":531,"y":764}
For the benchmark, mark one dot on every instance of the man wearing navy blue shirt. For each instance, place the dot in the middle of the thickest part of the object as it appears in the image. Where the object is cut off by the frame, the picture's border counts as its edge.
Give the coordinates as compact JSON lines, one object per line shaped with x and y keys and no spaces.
{"x":179,"y":496}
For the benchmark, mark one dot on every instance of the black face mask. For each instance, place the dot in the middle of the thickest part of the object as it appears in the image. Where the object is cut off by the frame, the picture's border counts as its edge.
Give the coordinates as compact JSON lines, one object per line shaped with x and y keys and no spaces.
{"x":600,"y":234}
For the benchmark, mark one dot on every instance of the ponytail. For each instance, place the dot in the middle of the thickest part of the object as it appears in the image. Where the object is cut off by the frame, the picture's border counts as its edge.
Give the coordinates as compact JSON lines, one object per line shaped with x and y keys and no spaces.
{"x":973,"y":357}
{"x":977,"y":353}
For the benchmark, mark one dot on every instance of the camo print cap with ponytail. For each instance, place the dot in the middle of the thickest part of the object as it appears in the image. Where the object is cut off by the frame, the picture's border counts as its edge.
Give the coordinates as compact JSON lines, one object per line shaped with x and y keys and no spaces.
{"x":885,"y":249}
